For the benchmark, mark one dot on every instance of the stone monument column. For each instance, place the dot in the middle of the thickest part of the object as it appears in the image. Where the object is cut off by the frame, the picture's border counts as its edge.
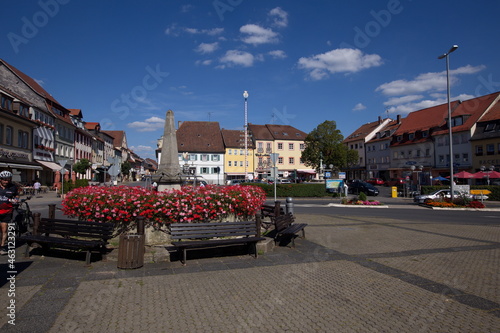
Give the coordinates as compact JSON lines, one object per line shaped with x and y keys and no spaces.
{"x":168,"y":176}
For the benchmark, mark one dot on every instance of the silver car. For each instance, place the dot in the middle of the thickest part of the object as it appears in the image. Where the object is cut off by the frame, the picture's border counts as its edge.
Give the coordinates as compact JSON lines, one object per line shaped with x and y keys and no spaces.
{"x":440,"y":194}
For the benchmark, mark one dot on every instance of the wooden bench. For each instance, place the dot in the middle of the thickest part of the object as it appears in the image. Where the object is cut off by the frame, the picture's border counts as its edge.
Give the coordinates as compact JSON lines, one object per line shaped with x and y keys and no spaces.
{"x":285,"y":226}
{"x":70,"y":234}
{"x":187,"y":236}
{"x":270,"y":211}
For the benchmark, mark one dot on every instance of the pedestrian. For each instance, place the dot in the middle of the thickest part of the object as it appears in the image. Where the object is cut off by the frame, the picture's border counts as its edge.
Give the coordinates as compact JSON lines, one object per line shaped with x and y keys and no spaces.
{"x":8,"y":195}
{"x":37,"y":186}
{"x":155,"y":186}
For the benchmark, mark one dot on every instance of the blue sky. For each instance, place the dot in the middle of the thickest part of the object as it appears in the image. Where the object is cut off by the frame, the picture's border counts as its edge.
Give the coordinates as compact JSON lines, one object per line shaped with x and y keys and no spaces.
{"x":125,"y":63}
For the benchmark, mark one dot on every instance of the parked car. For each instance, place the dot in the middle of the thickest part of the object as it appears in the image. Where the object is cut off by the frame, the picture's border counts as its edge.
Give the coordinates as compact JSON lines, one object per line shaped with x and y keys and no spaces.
{"x":394,"y":182}
{"x":285,"y":181}
{"x":358,"y":187}
{"x":375,"y":181}
{"x":441,"y":194}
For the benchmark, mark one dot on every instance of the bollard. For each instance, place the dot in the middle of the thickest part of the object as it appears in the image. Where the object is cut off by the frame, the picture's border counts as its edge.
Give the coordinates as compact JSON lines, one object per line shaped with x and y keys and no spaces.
{"x":52,"y":211}
{"x":36,"y":222}
{"x":140,"y":225}
{"x":289,"y":205}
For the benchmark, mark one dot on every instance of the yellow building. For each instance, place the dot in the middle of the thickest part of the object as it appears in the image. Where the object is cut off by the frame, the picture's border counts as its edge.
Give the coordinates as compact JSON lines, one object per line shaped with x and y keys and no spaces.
{"x":234,"y":157}
{"x":288,"y":143}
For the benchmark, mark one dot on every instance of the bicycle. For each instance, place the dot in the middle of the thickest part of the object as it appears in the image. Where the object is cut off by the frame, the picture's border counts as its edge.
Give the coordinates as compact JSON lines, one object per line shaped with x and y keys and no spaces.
{"x":23,"y":218}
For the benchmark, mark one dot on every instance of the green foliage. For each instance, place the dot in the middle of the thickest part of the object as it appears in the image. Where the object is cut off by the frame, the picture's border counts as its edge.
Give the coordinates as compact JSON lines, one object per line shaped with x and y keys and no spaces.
{"x":69,"y":185}
{"x":362,"y":196}
{"x":82,"y":166}
{"x":125,"y":169}
{"x":293,"y":190}
{"x":324,"y":144}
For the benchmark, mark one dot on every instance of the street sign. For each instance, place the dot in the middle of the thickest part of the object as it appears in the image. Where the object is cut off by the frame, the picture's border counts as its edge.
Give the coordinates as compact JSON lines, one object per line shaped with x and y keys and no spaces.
{"x":62,"y":163}
{"x":341,"y":175}
{"x":114,"y":170}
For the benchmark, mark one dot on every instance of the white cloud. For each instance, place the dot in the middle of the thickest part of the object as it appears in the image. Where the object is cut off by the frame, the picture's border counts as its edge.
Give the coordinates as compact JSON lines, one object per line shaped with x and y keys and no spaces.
{"x":141,"y":148}
{"x":205,"y":48}
{"x":338,"y":61}
{"x":434,"y":81}
{"x":279,"y":17}
{"x":255,"y":35}
{"x":359,"y":107}
{"x":403,"y":100}
{"x":149,"y":125}
{"x":277,"y":54}
{"x":174,"y":30}
{"x":203,"y":62}
{"x":235,"y":57}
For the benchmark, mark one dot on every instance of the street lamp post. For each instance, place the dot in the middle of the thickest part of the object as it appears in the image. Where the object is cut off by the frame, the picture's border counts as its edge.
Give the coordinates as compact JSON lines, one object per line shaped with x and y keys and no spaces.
{"x":245,"y":96}
{"x":446,"y":55}
{"x":274,"y":158}
{"x":491,"y":168}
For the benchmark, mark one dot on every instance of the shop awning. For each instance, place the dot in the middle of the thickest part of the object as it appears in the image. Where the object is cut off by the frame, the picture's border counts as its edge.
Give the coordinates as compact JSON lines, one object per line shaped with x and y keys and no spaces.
{"x":20,"y":166}
{"x":51,"y":165}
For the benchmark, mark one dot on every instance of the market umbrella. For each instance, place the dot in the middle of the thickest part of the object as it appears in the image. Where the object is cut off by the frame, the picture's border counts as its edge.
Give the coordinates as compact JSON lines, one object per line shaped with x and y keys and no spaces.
{"x":490,"y":174}
{"x":463,"y":174}
{"x":439,"y":178}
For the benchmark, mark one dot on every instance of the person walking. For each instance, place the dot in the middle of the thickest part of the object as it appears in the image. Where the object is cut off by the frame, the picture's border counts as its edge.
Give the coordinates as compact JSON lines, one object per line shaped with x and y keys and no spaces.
{"x":37,"y":187}
{"x":8,"y":195}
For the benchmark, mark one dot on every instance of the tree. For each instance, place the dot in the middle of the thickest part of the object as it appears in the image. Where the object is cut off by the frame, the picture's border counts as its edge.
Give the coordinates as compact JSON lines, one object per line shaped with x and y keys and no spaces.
{"x":324,"y":144}
{"x":82,"y":166}
{"x":125,"y":169}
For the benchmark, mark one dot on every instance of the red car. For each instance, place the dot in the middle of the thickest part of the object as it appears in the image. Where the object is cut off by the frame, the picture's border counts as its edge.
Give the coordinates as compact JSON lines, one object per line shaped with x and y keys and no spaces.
{"x":375,"y":181}
{"x":395,"y":182}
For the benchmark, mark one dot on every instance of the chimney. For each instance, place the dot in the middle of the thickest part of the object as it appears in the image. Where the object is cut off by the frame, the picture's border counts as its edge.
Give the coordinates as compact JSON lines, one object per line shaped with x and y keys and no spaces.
{"x":379,"y":119}
{"x":398,"y":119}
{"x":179,"y":123}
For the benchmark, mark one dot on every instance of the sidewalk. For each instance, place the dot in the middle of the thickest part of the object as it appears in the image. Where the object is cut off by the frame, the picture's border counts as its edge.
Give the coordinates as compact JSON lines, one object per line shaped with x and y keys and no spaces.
{"x":351,"y":274}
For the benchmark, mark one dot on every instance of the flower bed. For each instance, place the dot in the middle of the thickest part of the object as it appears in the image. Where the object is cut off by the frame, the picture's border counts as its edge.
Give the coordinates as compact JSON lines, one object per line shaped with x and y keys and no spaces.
{"x":448,"y":204}
{"x":123,"y":204}
{"x":362,"y":202}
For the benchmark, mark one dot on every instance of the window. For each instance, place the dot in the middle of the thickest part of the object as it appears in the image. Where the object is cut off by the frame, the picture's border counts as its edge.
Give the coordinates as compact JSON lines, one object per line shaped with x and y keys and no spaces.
{"x":410,"y":153}
{"x":291,"y":160}
{"x":242,"y":152}
{"x":490,"y":149}
{"x":215,"y":158}
{"x":418,"y":152}
{"x":7,"y":103}
{"x":489,"y":127}
{"x":441,"y":158}
{"x":440,"y":141}
{"x":241,"y":163}
{"x":193,"y":157}
{"x":280,"y":160}
{"x":290,"y":146}
{"x":204,"y":157}
{"x":427,"y":152}
{"x":229,"y":163}
{"x":395,"y":155}
{"x":235,"y":163}
{"x":24,"y":111}
{"x":465,"y":157}
{"x":457,"y":121}
{"x":302,"y":146}
{"x":280,"y":146}
{"x":479,"y":150}
{"x":8,"y":135}
{"x":399,"y":138}
{"x":425,"y":134}
{"x":229,"y":151}
{"x":411,"y":136}
{"x":1,"y":134}
{"x":204,"y":170}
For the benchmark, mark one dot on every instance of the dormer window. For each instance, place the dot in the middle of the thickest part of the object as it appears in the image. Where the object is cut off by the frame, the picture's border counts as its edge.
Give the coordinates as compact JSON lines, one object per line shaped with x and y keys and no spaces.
{"x":411,"y":136}
{"x":457,"y":121}
{"x":425,"y":134}
{"x":399,"y":138}
{"x":490,"y":127}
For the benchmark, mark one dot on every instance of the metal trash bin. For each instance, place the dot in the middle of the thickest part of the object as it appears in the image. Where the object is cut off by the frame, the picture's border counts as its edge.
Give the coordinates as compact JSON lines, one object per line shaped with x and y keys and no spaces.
{"x":131,"y":251}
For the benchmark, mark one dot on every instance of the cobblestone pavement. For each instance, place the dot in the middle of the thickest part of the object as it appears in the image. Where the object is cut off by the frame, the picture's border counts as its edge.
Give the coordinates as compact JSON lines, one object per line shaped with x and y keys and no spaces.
{"x":351,"y":274}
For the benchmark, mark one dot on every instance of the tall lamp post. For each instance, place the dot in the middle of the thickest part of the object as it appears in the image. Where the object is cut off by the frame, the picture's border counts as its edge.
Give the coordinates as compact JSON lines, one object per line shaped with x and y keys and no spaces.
{"x":446,"y":55}
{"x":274,"y":158}
{"x":245,"y":96}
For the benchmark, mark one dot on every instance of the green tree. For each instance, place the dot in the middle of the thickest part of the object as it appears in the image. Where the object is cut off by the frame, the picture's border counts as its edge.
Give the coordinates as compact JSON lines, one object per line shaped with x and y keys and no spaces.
{"x":82,"y":166}
{"x":324,"y":144}
{"x":125,"y":169}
